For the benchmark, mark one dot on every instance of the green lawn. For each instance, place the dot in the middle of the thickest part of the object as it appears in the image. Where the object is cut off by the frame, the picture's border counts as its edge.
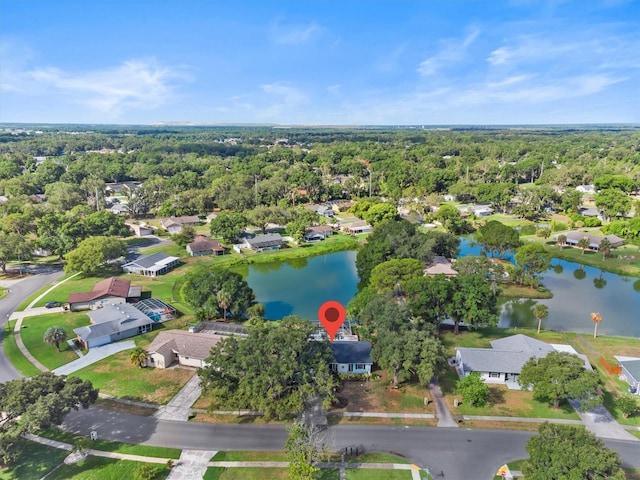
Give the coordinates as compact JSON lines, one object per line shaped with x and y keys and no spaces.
{"x":32,"y":332}
{"x":109,"y":446}
{"x":117,"y":376}
{"x":99,"y":468}
{"x":15,"y":356}
{"x":371,"y":474}
{"x":247,"y":456}
{"x":249,"y":473}
{"x":35,"y":461}
{"x":377,"y":457}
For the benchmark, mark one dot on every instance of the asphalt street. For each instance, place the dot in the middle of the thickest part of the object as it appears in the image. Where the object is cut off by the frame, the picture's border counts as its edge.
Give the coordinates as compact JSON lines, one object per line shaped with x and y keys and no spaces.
{"x":19,"y":291}
{"x":459,"y":453}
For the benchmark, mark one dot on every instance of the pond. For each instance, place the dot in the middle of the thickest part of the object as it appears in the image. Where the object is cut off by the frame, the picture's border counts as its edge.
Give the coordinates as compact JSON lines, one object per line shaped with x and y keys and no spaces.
{"x":301,"y":286}
{"x":577,"y":291}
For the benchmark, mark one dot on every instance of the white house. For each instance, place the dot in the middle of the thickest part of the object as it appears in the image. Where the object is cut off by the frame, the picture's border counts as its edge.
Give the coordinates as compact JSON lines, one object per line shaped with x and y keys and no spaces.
{"x":440,"y":266}
{"x":320,"y":232}
{"x":185,"y":348}
{"x":112,"y":323}
{"x":630,"y":372}
{"x":140,"y":230}
{"x":351,"y":357}
{"x":109,"y":291}
{"x":503,"y":362}
{"x":263,"y":243}
{"x":174,"y":224}
{"x":588,"y":189}
{"x":357,"y":227}
{"x":151,"y":265}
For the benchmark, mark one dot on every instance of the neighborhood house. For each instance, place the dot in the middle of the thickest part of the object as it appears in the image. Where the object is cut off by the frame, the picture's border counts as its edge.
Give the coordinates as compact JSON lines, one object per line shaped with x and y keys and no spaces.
{"x":317,"y":233}
{"x":630,"y":372}
{"x":203,"y":245}
{"x":175,"y":224}
{"x":358,"y":227}
{"x":574,"y":237}
{"x":440,"y":266}
{"x":112,"y":323}
{"x":140,"y":230}
{"x":503,"y":362}
{"x":185,"y":348}
{"x":151,"y":265}
{"x":351,"y":357}
{"x":109,"y":291}
{"x":264,"y":243}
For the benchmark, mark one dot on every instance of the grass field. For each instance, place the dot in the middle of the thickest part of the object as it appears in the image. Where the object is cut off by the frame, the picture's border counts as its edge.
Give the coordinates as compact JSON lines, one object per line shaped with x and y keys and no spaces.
{"x":116,"y":447}
{"x":15,"y":356}
{"x":99,"y":468}
{"x":34,"y":463}
{"x":246,"y":456}
{"x":371,"y":474}
{"x":250,"y":473}
{"x":118,"y":377}
{"x":33,"y":329}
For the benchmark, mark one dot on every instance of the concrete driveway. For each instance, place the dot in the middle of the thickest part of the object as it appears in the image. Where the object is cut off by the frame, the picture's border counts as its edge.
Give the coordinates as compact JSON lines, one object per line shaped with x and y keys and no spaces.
{"x":94,"y":355}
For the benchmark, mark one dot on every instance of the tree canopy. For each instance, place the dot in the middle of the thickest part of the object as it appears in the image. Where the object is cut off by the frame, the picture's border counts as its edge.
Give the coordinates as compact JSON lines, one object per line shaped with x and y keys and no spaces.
{"x":93,"y":253}
{"x":561,"y":376}
{"x":201,"y":288}
{"x":275,"y":369}
{"x":37,"y":403}
{"x":498,"y":238}
{"x":571,"y":452}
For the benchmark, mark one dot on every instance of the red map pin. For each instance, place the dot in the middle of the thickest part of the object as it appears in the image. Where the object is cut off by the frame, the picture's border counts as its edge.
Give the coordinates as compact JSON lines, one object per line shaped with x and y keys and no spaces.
{"x":331,"y":315}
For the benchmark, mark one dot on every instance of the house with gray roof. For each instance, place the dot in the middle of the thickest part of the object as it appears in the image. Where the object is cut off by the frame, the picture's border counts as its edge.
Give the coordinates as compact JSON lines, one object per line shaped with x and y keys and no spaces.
{"x":151,"y":265}
{"x":630,"y":372}
{"x":351,"y":357}
{"x":263,"y":243}
{"x":112,"y":323}
{"x":503,"y":362}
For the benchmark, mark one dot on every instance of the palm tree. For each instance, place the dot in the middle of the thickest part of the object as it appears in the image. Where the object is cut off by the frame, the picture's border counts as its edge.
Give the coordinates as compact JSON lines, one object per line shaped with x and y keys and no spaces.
{"x":597,"y":318}
{"x":138,"y":356}
{"x":605,"y":247}
{"x":55,"y":335}
{"x":540,"y":311}
{"x":562,"y":240}
{"x":224,"y":301}
{"x":583,"y":243}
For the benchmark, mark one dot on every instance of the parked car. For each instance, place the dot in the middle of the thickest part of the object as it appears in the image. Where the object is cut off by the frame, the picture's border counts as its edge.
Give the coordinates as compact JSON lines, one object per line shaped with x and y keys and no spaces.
{"x":53,"y":304}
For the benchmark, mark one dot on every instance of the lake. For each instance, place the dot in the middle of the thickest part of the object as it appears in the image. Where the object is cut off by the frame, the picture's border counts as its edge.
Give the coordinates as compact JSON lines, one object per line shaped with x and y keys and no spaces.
{"x":577,"y":291}
{"x":301,"y":286}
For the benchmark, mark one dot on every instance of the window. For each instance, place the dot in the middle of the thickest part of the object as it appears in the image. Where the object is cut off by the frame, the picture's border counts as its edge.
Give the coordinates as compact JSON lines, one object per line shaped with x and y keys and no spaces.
{"x":351,"y":367}
{"x":494,"y":375}
{"x":360,"y":366}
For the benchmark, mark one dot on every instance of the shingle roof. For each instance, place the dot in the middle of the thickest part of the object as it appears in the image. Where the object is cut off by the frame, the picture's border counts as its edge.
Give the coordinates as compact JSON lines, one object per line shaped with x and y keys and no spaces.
{"x":147,"y":261}
{"x":193,"y":345}
{"x":115,"y":287}
{"x":440,"y":266}
{"x":266,"y":240}
{"x":520,"y":343}
{"x":633,"y":367}
{"x":352,"y":352}
{"x":202,"y":243}
{"x":112,"y":319}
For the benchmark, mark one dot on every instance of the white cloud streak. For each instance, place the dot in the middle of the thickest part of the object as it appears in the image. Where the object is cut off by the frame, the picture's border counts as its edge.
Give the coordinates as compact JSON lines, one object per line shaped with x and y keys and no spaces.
{"x":451,"y":52}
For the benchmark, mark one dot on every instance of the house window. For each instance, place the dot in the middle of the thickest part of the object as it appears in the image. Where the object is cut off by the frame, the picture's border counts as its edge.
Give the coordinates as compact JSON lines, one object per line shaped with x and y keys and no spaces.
{"x":351,"y":367}
{"x":360,"y":366}
{"x":494,"y":375}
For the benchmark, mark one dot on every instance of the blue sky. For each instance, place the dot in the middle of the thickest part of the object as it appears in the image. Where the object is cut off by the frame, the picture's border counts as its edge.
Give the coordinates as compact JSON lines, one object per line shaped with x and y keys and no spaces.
{"x":345,"y":62}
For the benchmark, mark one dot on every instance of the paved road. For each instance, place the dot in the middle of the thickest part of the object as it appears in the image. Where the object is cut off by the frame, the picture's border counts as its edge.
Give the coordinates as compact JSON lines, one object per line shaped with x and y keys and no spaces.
{"x":462,"y":454}
{"x":20,"y":291}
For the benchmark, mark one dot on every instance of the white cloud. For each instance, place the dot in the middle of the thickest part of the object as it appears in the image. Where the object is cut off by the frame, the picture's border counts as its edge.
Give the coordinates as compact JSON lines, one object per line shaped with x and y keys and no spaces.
{"x":334,"y":89}
{"x":294,"y":34}
{"x":451,"y":52}
{"x":134,"y":84}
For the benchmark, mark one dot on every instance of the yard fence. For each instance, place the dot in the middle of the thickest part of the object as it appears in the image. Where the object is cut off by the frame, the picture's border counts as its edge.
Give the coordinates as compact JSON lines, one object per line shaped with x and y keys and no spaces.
{"x":612,"y":369}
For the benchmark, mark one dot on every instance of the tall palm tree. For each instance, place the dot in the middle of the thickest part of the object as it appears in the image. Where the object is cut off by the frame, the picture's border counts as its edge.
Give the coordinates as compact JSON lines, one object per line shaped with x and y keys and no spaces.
{"x":540,"y":311}
{"x":138,"y":356}
{"x":605,"y":247}
{"x":597,"y":318}
{"x":583,"y":243}
{"x":562,"y":240}
{"x":224,"y":301}
{"x":55,"y":335}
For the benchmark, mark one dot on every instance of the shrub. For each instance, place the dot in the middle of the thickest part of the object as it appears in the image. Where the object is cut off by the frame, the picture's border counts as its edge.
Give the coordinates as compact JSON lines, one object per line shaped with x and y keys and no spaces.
{"x":473,"y":389}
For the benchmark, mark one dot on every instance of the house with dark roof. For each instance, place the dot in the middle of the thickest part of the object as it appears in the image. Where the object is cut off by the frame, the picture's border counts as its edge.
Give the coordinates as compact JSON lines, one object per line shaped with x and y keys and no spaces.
{"x":151,"y":265}
{"x":174,"y":224}
{"x":630,"y":372}
{"x":109,"y":291}
{"x":317,"y":233}
{"x":203,"y":245}
{"x":179,"y":346}
{"x":503,"y":362}
{"x":112,"y":323}
{"x":263,"y":243}
{"x":351,"y":357}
